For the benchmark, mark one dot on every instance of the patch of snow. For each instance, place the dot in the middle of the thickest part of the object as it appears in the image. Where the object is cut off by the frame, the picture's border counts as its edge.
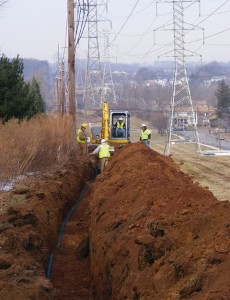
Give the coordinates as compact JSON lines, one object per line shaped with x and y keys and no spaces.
{"x":8,"y":185}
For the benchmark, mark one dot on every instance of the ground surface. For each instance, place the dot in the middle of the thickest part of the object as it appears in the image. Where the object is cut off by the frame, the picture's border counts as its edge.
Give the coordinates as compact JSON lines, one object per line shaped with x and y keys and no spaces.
{"x":143,"y":230}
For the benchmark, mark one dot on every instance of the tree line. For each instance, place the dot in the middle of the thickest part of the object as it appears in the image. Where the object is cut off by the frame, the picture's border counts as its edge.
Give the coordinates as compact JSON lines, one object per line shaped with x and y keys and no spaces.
{"x":18,"y":98}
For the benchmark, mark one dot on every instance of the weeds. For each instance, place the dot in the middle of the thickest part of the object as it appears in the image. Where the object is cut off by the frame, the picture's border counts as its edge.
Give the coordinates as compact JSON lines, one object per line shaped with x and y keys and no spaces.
{"x":35,"y":145}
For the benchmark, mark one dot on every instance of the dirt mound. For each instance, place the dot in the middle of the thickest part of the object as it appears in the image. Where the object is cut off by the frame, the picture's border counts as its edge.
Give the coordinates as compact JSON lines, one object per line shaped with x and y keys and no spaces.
{"x":30,"y":229}
{"x":155,"y":234}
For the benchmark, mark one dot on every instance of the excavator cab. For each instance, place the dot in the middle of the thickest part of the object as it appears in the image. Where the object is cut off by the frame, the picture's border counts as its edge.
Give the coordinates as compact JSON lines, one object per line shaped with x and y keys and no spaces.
{"x":119,"y":126}
{"x":115,"y":127}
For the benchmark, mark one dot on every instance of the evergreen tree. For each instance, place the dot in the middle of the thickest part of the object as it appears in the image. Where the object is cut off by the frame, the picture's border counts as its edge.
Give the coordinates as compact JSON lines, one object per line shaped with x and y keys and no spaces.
{"x":35,"y":101}
{"x":13,"y":89}
{"x":223,"y":98}
{"x":18,"y":99}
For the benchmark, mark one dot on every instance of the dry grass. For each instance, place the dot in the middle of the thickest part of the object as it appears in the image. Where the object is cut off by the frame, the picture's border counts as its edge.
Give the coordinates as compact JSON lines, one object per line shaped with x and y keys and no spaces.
{"x":35,"y":145}
{"x":211,"y":172}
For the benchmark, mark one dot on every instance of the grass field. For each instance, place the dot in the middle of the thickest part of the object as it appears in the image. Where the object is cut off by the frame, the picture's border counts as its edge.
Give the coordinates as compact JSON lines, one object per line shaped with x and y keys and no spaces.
{"x":210,"y":171}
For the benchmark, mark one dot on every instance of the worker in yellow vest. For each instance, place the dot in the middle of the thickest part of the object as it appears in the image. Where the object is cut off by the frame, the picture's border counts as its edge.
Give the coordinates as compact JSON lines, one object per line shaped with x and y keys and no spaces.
{"x":82,"y":139}
{"x":120,"y":128}
{"x":103,"y":153}
{"x":145,"y":135}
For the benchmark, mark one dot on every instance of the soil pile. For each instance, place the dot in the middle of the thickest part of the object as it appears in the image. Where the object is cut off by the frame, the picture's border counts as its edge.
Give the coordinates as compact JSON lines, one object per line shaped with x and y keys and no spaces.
{"x":155,"y":234}
{"x":30,"y":229}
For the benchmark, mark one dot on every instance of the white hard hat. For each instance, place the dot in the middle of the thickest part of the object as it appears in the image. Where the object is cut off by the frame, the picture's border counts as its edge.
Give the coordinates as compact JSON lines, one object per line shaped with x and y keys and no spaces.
{"x":143,"y":125}
{"x":103,"y":141}
{"x":120,"y":119}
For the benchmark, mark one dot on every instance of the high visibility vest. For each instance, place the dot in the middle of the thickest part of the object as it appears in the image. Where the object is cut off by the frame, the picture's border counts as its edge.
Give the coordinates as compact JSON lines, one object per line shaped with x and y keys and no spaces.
{"x":145,"y":134}
{"x":120,"y":125}
{"x":104,"y":151}
{"x":79,"y":140}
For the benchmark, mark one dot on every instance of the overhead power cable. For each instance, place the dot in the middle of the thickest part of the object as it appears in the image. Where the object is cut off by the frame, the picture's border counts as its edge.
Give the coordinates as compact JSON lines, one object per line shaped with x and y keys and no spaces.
{"x":208,"y":37}
{"x":208,"y":16}
{"x":127,"y":19}
{"x":163,"y":25}
{"x":82,"y":17}
{"x":136,"y":12}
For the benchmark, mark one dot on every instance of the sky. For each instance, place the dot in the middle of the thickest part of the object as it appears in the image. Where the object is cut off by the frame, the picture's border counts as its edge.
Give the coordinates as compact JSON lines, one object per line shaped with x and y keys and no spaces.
{"x":140,"y":33}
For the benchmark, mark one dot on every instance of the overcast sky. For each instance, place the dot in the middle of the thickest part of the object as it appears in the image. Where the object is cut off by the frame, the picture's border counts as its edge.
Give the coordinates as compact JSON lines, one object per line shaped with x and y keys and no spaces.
{"x":34,"y":28}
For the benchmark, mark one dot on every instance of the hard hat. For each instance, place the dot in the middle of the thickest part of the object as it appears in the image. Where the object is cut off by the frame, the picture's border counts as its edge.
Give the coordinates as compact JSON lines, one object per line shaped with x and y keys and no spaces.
{"x":143,"y":125}
{"x":103,"y":141}
{"x":84,"y":125}
{"x":120,"y":119}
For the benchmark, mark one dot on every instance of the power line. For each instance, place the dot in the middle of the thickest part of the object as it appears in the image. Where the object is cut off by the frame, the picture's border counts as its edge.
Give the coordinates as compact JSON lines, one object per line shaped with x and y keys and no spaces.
{"x":166,"y":23}
{"x":163,"y":25}
{"x":207,"y":37}
{"x":208,"y":16}
{"x":83,"y":14}
{"x":129,"y":16}
{"x":136,"y":12}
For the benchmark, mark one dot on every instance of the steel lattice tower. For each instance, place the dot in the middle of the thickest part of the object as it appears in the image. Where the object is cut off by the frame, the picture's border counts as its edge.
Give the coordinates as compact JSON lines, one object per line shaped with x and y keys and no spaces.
{"x":181,"y":102}
{"x":109,"y":91}
{"x":94,"y":78}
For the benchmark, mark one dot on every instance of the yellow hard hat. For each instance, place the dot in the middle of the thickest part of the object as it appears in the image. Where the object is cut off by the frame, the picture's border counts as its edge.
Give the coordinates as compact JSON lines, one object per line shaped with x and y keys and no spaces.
{"x":84,"y":125}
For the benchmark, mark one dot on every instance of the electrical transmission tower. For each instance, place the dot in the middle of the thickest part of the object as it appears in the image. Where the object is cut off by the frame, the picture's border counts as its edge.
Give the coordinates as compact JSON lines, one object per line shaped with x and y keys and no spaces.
{"x":182,"y":115}
{"x":93,"y":95}
{"x":109,"y":91}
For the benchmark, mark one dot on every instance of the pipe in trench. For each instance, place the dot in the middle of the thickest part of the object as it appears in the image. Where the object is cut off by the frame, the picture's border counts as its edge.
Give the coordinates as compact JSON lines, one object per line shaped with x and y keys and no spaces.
{"x":48,"y":274}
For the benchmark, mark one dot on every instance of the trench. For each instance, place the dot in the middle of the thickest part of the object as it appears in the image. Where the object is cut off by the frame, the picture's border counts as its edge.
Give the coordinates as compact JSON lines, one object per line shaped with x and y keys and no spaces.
{"x":69,"y":265}
{"x":44,"y":240}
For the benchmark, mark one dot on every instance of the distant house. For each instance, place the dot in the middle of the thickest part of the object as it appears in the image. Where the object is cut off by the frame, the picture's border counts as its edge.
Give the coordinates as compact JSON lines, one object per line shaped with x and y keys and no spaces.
{"x":215,"y":79}
{"x":154,"y":82}
{"x":183,"y":117}
{"x":204,"y":111}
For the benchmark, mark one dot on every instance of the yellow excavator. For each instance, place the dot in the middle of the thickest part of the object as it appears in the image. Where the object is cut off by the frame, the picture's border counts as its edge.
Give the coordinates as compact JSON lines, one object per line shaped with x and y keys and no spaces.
{"x":109,"y":128}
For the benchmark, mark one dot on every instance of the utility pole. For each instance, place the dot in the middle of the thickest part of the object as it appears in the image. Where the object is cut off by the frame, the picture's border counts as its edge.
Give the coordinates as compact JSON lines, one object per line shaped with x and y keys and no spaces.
{"x":62,"y":89}
{"x":58,"y":84}
{"x":71,"y":59}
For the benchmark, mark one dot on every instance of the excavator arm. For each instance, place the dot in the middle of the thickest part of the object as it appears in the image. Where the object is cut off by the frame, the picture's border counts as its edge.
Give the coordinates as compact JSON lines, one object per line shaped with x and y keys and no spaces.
{"x":105,"y":130}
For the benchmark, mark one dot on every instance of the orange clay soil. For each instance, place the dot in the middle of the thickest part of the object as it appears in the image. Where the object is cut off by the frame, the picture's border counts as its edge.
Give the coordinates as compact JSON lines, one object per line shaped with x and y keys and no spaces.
{"x":29,"y":232}
{"x":154,"y":234}
{"x":143,"y":230}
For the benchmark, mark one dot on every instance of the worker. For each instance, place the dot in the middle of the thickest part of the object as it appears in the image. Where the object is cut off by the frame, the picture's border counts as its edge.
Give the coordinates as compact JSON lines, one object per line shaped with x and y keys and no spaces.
{"x":103,"y":153}
{"x":120,"y":128}
{"x":82,"y":139}
{"x":145,"y":135}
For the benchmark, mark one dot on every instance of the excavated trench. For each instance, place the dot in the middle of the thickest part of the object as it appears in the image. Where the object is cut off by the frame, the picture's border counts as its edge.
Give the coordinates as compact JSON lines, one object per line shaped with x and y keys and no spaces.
{"x":141,"y":230}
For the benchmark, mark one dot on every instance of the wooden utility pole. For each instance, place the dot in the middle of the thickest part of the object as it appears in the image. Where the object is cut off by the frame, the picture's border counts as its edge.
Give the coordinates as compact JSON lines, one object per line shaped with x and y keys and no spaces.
{"x":58,"y":84}
{"x":71,"y":59}
{"x":62,"y":92}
